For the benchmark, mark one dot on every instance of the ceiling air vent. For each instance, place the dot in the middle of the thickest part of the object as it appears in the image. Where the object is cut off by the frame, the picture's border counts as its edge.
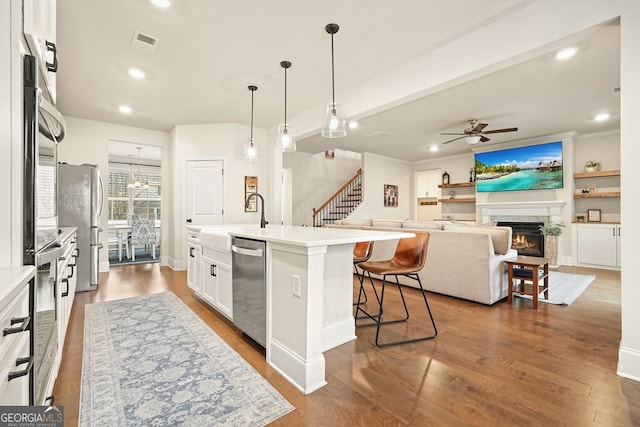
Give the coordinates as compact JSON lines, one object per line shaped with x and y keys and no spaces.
{"x":144,"y":42}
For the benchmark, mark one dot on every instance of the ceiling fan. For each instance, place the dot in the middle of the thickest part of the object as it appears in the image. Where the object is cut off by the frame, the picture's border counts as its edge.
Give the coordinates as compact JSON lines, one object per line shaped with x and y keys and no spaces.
{"x":474,"y":133}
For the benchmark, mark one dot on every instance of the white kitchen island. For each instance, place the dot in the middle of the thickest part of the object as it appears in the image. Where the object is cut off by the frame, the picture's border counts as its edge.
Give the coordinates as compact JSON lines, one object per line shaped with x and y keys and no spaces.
{"x":300,"y":328}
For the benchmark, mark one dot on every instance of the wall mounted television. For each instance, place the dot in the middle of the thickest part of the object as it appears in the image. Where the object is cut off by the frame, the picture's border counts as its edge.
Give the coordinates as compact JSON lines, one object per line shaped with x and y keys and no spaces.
{"x":534,"y":167}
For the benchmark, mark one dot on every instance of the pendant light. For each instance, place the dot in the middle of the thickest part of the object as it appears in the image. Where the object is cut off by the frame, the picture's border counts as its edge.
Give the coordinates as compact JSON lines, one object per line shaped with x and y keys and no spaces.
{"x":286,"y":140}
{"x":250,"y":149}
{"x":137,"y":182}
{"x":333,"y":122}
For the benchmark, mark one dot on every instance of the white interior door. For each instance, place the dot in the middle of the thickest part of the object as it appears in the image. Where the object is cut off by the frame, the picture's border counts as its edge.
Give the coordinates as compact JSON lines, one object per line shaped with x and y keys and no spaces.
{"x":205,"y":197}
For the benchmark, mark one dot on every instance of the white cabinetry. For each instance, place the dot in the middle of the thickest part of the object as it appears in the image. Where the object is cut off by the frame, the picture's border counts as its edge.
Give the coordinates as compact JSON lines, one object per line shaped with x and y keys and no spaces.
{"x":39,"y":27}
{"x":67,"y":287}
{"x":216,"y":280}
{"x":16,"y":361}
{"x":598,"y":245}
{"x":194,"y":262}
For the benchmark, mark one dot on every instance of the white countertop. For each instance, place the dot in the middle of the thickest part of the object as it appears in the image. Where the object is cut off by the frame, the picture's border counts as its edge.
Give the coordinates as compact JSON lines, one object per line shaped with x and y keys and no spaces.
{"x":314,"y":236}
{"x":13,"y":281}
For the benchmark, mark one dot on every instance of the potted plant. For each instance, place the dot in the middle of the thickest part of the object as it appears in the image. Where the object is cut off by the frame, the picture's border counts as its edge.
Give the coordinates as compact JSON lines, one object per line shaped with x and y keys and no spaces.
{"x":591,"y":166}
{"x":551,"y":230}
{"x":580,"y":218}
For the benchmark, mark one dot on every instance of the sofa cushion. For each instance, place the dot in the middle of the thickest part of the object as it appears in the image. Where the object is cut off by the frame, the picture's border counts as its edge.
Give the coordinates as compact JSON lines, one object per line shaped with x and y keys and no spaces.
{"x":355,"y":222}
{"x":416,"y":225}
{"x":500,"y":236}
{"x":386,"y":223}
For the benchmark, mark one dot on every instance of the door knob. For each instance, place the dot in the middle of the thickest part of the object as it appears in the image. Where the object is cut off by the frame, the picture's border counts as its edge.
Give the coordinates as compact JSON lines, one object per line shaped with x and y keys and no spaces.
{"x":189,"y":220}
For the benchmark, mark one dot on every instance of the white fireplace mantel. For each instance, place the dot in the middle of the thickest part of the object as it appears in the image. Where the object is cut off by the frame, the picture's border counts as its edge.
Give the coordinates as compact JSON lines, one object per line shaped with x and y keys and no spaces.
{"x":546,"y":211}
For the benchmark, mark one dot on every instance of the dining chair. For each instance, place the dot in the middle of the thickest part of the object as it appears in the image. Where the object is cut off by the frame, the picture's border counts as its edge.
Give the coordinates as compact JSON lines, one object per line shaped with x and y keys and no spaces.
{"x":361,"y":253}
{"x":142,"y":234}
{"x":409,"y":258}
{"x":116,"y":242}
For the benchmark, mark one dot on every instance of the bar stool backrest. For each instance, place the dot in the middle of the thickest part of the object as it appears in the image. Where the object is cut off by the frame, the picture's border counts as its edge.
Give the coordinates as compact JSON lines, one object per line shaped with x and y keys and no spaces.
{"x":362,"y":251}
{"x":412,"y":253}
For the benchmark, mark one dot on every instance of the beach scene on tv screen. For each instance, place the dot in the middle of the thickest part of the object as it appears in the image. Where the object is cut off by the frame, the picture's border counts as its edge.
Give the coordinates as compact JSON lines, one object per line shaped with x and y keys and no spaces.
{"x":533,"y":167}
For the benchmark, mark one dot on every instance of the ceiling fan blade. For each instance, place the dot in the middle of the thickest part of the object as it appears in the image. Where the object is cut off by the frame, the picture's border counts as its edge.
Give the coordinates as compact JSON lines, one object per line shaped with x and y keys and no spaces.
{"x":484,"y":139}
{"x":501,"y":130}
{"x":479,"y":127}
{"x":454,"y":139}
{"x":451,"y":133}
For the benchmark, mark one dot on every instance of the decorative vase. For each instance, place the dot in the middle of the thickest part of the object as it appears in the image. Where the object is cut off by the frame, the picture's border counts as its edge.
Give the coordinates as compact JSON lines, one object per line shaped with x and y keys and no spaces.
{"x":551,"y":249}
{"x":589,"y":169}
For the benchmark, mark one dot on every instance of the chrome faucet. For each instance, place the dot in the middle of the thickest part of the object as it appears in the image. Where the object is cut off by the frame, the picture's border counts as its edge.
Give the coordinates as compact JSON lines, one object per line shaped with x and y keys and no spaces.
{"x":263,"y":223}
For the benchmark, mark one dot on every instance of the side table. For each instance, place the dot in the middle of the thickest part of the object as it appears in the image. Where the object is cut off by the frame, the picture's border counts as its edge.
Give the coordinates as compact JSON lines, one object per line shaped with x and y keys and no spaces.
{"x":525,"y":270}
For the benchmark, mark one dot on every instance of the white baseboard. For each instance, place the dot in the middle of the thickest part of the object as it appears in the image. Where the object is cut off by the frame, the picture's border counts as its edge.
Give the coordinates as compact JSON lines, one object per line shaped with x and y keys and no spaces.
{"x":305,"y":375}
{"x":629,"y":363}
{"x":338,"y":333}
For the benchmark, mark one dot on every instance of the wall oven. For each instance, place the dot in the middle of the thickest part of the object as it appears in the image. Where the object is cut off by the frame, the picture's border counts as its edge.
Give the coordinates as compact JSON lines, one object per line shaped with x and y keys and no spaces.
{"x":44,"y":128}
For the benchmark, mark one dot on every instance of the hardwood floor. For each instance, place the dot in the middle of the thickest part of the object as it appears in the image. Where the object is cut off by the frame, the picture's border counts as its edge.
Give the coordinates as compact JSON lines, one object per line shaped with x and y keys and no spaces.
{"x":490,"y":365}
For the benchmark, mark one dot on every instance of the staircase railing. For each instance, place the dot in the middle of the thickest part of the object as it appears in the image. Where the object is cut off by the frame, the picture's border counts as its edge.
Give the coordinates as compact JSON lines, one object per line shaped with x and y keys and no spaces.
{"x":341,"y":204}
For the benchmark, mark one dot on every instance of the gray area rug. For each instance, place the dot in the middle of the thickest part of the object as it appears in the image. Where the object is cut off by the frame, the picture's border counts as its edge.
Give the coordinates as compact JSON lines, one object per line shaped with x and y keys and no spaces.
{"x":150,"y":361}
{"x":564,"y":288}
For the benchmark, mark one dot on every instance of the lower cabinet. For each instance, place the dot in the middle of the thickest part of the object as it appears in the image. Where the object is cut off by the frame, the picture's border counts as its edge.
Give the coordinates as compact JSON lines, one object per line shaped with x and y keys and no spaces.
{"x":216,"y":280}
{"x":194,"y":265}
{"x":598,"y":245}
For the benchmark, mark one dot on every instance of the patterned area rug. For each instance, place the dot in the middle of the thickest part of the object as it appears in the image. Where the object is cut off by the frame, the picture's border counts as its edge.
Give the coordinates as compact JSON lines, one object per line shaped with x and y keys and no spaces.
{"x":564,"y":288}
{"x":150,"y":361}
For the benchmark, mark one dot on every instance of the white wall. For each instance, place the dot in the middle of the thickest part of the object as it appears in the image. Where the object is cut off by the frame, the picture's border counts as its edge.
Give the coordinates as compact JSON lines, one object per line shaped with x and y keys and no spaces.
{"x":316,"y":178}
{"x":629,"y":355}
{"x":224,"y":142}
{"x":87,"y":141}
{"x":378,"y":171}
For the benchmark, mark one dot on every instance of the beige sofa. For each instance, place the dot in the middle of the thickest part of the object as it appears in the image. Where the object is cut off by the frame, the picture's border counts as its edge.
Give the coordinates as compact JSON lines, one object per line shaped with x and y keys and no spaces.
{"x":462,"y":261}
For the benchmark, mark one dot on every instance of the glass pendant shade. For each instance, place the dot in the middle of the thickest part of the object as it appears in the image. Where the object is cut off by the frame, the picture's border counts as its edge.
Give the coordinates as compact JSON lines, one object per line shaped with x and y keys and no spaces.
{"x":286,"y":140}
{"x":250,"y":150}
{"x":334,"y":124}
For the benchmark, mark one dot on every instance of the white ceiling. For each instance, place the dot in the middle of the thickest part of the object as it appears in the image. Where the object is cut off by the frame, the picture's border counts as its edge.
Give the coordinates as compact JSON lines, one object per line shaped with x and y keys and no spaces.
{"x":209,"y":52}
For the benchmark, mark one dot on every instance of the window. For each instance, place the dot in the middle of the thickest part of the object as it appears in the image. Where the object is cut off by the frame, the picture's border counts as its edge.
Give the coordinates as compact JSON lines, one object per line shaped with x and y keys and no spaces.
{"x":124,"y":203}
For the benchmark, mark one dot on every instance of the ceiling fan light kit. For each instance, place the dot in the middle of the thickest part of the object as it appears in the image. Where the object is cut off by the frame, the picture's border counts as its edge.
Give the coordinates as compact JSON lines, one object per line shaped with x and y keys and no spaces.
{"x":333,"y":121}
{"x":250,"y":149}
{"x":475,"y":133}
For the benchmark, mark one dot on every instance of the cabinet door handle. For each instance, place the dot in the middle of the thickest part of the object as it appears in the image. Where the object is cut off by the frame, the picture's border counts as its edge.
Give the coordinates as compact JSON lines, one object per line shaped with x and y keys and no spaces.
{"x":619,"y":231}
{"x":191,"y":252}
{"x":21,"y":361}
{"x":24,"y":324}
{"x":212,"y":270}
{"x":66,"y":293}
{"x":51,"y":47}
{"x":613,"y":231}
{"x":71,"y":275}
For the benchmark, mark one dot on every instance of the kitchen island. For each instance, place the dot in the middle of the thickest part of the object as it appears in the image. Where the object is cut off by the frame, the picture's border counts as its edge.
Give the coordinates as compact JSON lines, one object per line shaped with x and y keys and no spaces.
{"x":305,"y":320}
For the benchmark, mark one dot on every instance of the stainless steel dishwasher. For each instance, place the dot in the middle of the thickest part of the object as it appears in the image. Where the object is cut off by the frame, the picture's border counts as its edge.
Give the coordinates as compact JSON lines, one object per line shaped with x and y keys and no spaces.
{"x":248,"y":263}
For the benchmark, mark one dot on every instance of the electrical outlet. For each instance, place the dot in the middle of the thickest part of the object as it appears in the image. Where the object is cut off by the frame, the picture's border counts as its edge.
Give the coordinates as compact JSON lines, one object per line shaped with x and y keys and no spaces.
{"x":295,"y":285}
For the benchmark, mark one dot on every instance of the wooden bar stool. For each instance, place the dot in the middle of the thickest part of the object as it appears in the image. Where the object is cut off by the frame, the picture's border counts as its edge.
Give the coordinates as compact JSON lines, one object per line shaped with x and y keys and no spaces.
{"x":408,"y":259}
{"x":361,"y":253}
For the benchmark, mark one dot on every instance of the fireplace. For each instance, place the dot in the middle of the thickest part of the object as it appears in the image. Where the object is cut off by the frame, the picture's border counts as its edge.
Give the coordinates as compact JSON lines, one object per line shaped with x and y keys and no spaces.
{"x":526,"y":238}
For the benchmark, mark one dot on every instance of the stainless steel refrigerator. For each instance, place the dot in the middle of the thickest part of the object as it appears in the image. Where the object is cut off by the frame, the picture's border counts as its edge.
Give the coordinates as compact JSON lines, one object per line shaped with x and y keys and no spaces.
{"x":80,"y":196}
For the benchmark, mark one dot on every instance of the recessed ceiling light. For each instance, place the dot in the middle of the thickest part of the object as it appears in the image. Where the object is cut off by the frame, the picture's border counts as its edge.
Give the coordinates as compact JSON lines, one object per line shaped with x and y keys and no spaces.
{"x":601,"y":117}
{"x":162,"y":3}
{"x":353,"y":125}
{"x":136,"y":73}
{"x":125,"y":109}
{"x":433,"y":148}
{"x":566,"y":53}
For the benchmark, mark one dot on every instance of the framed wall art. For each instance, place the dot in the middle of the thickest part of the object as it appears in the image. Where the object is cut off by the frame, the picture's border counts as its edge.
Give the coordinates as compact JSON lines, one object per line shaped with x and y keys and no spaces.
{"x":391,"y":195}
{"x":250,"y":187}
{"x":593,"y":215}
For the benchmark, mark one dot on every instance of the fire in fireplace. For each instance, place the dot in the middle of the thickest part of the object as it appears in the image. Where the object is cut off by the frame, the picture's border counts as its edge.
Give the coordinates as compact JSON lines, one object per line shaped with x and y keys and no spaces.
{"x":526,"y":238}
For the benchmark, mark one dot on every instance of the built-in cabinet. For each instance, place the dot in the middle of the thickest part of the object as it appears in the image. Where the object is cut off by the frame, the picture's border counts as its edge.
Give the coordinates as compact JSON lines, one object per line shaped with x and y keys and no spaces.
{"x":216,"y":280}
{"x":462,"y":192}
{"x":39,"y":28}
{"x":15,"y":321}
{"x":209,"y":274}
{"x":598,"y":245}
{"x":66,"y":290}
